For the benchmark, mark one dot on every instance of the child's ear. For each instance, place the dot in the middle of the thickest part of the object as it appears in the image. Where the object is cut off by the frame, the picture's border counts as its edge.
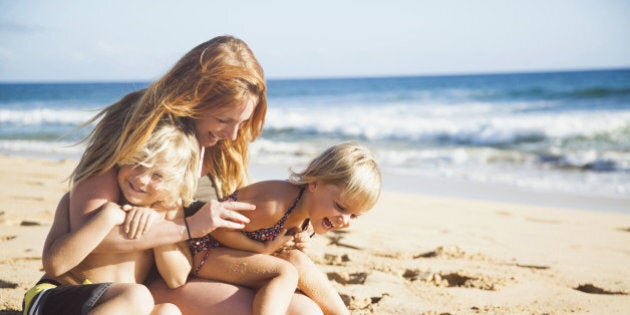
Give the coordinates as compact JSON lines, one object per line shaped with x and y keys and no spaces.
{"x":312,"y":186}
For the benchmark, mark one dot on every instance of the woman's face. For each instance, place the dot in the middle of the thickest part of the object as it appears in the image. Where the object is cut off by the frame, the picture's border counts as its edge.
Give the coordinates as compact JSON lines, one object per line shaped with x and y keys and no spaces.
{"x":218,"y":124}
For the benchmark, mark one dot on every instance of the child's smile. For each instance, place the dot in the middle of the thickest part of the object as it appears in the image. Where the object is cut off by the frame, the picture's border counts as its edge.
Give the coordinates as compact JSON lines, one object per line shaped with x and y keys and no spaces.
{"x":140,"y":185}
{"x":328,"y":211}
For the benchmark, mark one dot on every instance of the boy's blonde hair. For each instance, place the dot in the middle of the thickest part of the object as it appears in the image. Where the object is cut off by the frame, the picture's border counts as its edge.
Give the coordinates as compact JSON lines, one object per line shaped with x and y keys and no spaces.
{"x":349,"y":166}
{"x":219,"y":73}
{"x":174,"y":153}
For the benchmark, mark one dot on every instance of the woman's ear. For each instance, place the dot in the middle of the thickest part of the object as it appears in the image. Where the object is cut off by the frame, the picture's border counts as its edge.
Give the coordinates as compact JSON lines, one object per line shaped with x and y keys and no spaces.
{"x":312,"y":186}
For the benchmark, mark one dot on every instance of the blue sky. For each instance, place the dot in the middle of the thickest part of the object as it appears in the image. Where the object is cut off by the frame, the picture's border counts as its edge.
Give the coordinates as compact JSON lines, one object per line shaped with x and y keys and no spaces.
{"x":71,"y":40}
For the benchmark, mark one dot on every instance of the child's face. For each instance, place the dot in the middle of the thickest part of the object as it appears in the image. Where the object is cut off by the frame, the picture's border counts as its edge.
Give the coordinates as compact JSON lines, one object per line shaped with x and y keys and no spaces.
{"x":328,"y":211}
{"x":142,"y":186}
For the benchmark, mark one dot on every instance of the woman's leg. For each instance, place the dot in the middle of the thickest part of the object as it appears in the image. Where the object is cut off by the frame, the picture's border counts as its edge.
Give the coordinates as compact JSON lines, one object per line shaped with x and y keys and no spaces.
{"x":121,"y":298}
{"x":275,"y":278}
{"x":201,"y":296}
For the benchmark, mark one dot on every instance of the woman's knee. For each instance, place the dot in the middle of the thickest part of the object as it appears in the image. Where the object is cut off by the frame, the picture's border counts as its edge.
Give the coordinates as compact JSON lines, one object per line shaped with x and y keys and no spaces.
{"x":303,"y":305}
{"x":132,"y":297}
{"x":166,"y":309}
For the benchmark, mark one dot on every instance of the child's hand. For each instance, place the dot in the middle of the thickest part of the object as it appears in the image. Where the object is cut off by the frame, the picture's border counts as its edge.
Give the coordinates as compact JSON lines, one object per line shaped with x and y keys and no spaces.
{"x":278,"y":243}
{"x":114,"y":213}
{"x":301,"y":240}
{"x":139,"y":220}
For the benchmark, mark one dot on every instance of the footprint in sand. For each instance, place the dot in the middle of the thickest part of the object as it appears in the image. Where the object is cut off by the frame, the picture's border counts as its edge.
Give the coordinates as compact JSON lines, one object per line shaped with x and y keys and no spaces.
{"x":347,"y":278}
{"x":366,"y":304}
{"x":29,"y":223}
{"x":336,"y":237}
{"x":452,"y":252}
{"x":416,"y":274}
{"x":538,"y":267}
{"x":336,"y":260}
{"x":7,"y":238}
{"x":7,"y":285}
{"x":443,"y":251}
{"x":455,"y":279}
{"x":589,"y":288}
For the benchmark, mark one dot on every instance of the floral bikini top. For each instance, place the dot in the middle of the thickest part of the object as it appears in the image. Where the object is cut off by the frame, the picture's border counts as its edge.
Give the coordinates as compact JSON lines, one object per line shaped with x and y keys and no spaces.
{"x":261,"y":235}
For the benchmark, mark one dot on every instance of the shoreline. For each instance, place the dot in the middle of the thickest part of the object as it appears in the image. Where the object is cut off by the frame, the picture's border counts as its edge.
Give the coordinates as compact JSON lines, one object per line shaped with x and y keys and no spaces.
{"x":414,"y":253}
{"x":462,"y":189}
{"x":439,"y":186}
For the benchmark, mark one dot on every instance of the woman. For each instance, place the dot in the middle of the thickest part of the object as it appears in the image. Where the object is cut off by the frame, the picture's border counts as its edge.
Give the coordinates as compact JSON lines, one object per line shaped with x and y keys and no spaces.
{"x":218,"y":88}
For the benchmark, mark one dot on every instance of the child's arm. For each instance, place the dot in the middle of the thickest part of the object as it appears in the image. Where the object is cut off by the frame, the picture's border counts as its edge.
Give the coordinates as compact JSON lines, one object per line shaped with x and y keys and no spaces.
{"x":174,"y":261}
{"x":63,"y":249}
{"x":93,"y":192}
{"x":315,"y":284}
{"x":236,"y":239}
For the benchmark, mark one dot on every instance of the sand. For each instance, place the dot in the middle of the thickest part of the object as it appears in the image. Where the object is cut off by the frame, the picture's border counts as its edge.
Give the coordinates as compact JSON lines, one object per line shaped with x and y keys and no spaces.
{"x":412,"y":254}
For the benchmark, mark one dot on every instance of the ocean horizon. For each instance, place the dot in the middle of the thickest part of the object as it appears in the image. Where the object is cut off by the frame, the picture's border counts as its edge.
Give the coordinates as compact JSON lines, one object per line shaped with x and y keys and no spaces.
{"x":566,"y":131}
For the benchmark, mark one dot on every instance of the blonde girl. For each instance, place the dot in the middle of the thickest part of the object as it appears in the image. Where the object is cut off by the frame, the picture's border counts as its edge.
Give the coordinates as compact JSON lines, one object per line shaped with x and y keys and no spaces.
{"x":336,"y":187}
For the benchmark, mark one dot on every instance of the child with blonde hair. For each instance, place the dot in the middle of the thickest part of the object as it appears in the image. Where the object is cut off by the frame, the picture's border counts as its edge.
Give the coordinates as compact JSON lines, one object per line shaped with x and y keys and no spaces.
{"x":161,"y":175}
{"x":339,"y":185}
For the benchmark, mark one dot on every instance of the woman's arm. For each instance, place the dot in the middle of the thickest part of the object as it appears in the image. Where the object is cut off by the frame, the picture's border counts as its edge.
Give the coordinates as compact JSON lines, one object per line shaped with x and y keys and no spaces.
{"x":211,"y":216}
{"x":63,"y":249}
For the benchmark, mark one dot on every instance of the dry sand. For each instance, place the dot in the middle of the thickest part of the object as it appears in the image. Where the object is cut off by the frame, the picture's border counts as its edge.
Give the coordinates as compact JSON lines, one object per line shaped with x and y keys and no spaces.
{"x":412,"y":254}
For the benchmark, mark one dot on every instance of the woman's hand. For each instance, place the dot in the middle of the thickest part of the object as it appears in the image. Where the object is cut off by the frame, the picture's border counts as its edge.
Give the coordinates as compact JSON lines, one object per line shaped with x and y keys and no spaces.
{"x":215,"y":214}
{"x":139,"y":220}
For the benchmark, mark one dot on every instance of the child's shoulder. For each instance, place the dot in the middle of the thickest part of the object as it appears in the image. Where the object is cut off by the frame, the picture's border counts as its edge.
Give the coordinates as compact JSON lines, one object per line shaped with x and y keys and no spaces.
{"x":268,"y":187}
{"x":272,"y":195}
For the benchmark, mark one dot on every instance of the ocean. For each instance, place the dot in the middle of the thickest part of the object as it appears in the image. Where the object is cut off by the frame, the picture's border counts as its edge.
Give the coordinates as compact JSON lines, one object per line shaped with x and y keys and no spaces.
{"x":552,"y":131}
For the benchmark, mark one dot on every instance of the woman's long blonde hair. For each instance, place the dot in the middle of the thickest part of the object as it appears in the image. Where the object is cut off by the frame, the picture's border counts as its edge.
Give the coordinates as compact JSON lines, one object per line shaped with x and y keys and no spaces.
{"x":220,"y":72}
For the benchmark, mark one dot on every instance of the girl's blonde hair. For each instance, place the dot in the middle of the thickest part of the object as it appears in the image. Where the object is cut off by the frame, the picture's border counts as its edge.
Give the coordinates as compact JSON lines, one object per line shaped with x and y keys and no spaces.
{"x":349,"y":166}
{"x":174,"y":154}
{"x":218,"y":73}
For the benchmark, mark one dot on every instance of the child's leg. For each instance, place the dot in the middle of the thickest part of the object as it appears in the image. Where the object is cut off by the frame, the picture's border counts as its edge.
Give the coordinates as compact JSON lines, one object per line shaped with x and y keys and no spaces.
{"x":274,"y":278}
{"x":315,"y":284}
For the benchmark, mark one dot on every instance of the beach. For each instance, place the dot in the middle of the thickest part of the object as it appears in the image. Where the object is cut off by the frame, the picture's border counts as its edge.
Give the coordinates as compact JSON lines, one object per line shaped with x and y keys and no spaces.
{"x":416,"y":252}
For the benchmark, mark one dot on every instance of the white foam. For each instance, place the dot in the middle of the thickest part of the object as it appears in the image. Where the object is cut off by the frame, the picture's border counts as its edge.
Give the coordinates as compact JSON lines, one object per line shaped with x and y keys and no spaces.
{"x":476,"y":123}
{"x":42,"y":116}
